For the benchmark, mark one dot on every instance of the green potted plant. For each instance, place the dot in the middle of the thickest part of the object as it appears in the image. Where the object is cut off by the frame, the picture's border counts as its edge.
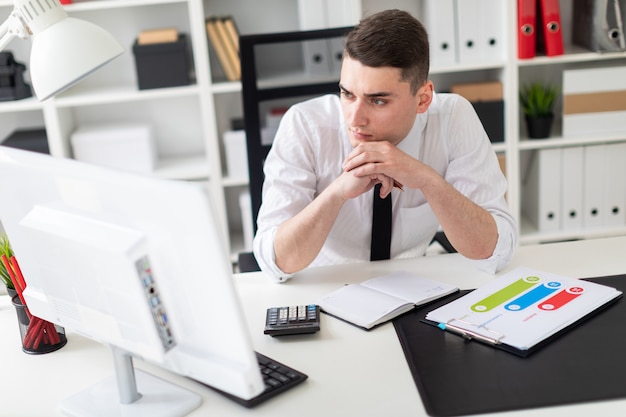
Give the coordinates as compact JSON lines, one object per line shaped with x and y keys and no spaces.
{"x":5,"y":249}
{"x":538,"y":101}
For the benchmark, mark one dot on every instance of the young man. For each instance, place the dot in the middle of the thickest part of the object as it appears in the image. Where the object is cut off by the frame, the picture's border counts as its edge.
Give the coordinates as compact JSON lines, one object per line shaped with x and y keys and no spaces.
{"x":387,"y":127}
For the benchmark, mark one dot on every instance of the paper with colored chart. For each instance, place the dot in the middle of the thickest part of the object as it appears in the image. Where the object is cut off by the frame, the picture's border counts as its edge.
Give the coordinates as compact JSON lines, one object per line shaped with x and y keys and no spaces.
{"x":522,"y":307}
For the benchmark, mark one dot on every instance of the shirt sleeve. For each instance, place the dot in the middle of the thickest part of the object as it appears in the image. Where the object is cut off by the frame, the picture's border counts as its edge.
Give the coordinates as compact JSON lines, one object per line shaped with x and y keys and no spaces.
{"x":505,"y":247}
{"x":288,"y":187}
{"x":264,"y":254}
{"x":474,"y":171}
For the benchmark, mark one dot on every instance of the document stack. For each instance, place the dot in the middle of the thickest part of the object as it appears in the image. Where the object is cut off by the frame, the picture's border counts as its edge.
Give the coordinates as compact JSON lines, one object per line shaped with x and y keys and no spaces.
{"x":539,"y":28}
{"x":560,"y":196}
{"x":464,"y":31}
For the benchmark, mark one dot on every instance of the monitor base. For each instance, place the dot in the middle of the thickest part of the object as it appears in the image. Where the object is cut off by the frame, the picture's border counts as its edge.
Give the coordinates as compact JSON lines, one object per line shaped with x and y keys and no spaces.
{"x":159,"y":398}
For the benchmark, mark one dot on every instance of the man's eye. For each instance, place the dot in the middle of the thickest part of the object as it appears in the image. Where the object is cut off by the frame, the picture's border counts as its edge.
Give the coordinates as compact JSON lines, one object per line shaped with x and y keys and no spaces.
{"x":346,"y":94}
{"x":379,"y":102}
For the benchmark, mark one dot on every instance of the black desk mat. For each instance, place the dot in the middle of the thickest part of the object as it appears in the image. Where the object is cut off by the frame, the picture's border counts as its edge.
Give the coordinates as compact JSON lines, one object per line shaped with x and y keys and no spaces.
{"x":458,"y":377}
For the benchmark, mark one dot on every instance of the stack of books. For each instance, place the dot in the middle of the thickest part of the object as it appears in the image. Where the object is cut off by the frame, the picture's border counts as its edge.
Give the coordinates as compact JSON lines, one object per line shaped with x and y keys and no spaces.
{"x":224,"y":38}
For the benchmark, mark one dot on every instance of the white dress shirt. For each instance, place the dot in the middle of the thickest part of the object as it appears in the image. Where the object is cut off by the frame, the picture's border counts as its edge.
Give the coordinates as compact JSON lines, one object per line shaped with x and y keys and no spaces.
{"x":310,"y":147}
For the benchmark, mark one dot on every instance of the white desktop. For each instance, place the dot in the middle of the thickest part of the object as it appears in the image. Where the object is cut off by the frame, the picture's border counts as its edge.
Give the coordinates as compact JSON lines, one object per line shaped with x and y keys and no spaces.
{"x":135,"y":263}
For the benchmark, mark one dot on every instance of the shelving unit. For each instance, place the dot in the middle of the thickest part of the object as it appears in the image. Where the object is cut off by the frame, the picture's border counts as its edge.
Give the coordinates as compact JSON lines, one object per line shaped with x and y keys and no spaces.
{"x":189,"y":121}
{"x":551,"y":69}
{"x":182,"y":118}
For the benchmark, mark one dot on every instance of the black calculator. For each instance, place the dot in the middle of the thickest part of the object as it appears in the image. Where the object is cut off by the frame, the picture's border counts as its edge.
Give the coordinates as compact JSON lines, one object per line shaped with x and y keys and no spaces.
{"x":288,"y":320}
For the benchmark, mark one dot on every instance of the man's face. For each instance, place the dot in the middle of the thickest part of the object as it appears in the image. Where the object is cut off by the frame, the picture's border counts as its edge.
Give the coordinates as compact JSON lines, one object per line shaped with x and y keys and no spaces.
{"x":376,"y":104}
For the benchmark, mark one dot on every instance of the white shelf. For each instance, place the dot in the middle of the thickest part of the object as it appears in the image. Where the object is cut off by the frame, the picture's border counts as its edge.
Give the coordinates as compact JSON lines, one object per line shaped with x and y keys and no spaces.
{"x":190,"y":167}
{"x":530,"y":235}
{"x":89,"y":5}
{"x":78,"y":96}
{"x":234,"y":182}
{"x":26,"y":104}
{"x":573,"y":54}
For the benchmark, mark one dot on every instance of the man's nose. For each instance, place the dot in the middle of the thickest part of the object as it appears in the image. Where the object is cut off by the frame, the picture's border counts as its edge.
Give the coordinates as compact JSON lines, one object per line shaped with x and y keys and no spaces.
{"x":358,"y":113}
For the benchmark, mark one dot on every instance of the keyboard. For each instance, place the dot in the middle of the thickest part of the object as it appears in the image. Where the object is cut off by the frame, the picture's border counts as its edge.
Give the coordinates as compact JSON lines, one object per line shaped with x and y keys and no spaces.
{"x":278,"y":378}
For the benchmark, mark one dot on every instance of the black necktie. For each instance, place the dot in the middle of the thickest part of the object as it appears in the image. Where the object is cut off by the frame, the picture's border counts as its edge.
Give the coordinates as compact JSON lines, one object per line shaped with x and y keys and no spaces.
{"x":381,"y":226}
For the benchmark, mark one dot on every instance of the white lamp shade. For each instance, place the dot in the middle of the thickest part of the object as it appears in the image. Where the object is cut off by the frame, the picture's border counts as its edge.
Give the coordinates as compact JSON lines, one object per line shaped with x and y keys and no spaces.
{"x":66,"y":52}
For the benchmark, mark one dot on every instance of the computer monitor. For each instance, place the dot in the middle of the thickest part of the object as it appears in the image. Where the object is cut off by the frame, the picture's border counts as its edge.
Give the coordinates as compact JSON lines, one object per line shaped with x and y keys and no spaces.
{"x":134,"y":262}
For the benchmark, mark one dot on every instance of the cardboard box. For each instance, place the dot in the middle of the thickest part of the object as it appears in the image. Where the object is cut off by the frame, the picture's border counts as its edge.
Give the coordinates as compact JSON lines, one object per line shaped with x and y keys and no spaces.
{"x":594,"y":101}
{"x":486,"y":97}
{"x":479,"y":91}
{"x":163,"y":64}
{"x":128,"y":147}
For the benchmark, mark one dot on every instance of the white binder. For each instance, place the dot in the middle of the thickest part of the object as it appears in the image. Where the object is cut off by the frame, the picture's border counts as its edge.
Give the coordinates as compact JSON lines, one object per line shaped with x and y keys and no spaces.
{"x":312,"y":15}
{"x":323,"y":57}
{"x":335,"y":55}
{"x":541,"y":202}
{"x":491,"y":39}
{"x":440,"y":22}
{"x":316,"y":57}
{"x":593,"y":194}
{"x":615,"y":184}
{"x":572,"y":188}
{"x":469,"y":20}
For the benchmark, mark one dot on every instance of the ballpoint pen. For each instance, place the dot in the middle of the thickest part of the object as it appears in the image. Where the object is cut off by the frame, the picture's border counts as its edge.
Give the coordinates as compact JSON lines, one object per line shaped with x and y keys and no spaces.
{"x":397,"y":185}
{"x":469,"y":335}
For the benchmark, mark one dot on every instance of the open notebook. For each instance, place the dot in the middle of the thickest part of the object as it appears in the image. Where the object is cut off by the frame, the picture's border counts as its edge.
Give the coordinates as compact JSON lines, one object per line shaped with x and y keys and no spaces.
{"x":380,"y":299}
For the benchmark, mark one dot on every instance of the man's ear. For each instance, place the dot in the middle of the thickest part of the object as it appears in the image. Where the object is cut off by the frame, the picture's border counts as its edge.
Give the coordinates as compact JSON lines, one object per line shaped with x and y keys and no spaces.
{"x":425,"y":96}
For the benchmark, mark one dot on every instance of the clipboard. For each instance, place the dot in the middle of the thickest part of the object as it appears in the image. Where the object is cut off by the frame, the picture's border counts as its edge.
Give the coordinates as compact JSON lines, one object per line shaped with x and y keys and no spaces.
{"x":523,"y":309}
{"x":486,"y":379}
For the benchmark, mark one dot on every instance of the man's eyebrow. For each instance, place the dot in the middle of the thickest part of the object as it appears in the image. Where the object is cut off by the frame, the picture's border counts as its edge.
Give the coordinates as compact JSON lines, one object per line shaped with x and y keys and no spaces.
{"x":381,"y":94}
{"x":370,"y":95}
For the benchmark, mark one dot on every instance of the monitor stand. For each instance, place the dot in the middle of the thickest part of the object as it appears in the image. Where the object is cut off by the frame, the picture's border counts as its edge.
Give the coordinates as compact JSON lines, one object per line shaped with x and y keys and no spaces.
{"x":130,"y":395}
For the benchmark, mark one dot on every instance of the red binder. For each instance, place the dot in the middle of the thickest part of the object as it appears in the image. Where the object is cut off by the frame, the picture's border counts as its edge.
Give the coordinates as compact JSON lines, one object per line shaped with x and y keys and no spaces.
{"x":526,"y":28}
{"x":551,"y":26}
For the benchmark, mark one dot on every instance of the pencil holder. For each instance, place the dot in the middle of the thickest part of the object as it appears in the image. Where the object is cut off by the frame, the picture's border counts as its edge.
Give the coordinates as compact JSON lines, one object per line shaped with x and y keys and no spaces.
{"x":38,"y":335}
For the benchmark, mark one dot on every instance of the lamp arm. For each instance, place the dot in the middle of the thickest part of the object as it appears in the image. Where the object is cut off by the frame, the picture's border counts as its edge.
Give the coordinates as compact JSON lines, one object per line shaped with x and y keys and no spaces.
{"x":12,"y":27}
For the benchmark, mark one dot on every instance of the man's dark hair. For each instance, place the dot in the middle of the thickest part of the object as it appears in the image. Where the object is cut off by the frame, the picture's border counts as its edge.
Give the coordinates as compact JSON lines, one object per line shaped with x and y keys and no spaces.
{"x":392,"y":38}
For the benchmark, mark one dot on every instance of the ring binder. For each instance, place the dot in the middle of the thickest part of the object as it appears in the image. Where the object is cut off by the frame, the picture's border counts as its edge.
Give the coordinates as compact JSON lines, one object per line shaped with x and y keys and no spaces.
{"x":599,"y":24}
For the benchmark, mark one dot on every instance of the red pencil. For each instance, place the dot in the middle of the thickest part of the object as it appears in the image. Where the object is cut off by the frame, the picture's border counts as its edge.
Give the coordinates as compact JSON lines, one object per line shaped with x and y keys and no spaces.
{"x":18,"y":272}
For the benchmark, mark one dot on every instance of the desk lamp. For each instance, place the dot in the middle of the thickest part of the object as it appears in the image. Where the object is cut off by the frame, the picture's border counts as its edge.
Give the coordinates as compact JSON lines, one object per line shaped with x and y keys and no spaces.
{"x":64,"y":49}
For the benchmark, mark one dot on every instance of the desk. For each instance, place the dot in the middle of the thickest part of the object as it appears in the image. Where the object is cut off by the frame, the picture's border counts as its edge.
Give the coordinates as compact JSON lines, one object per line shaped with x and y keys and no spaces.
{"x":351,"y":372}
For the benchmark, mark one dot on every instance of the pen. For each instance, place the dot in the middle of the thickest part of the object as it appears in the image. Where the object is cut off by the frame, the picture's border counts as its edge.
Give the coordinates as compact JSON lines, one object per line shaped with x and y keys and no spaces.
{"x":397,"y":185}
{"x":467,"y":334}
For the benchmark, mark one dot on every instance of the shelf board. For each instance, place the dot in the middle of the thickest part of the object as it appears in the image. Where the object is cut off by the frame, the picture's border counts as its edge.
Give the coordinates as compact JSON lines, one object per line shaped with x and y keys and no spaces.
{"x":478,"y":66}
{"x":25,"y":104}
{"x":572,"y":53}
{"x":89,"y":5}
{"x":558,"y":142}
{"x":530,"y":235}
{"x":234,"y":182}
{"x":122,"y":93}
{"x":226,"y":87}
{"x":186,"y":167}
